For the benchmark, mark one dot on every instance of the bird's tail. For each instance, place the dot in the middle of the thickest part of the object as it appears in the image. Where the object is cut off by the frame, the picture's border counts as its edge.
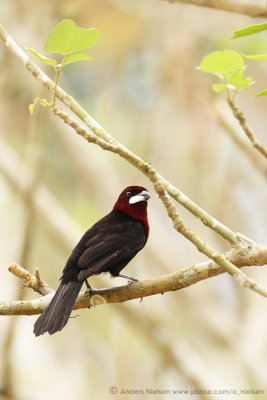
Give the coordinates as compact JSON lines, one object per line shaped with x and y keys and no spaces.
{"x":57,"y":313}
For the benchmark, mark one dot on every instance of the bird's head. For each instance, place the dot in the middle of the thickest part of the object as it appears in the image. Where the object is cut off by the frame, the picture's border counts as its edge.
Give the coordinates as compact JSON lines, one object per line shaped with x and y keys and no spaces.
{"x":133,"y":201}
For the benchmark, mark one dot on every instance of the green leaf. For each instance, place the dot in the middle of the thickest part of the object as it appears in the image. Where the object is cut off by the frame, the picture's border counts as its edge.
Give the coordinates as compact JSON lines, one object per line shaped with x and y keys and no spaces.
{"x":240,"y":82}
{"x":256,"y":56}
{"x":250,"y":30}
{"x":263,"y":93}
{"x":77,"y":57}
{"x":222,"y":62}
{"x":67,"y":38}
{"x":43,"y":59}
{"x":218,"y":88}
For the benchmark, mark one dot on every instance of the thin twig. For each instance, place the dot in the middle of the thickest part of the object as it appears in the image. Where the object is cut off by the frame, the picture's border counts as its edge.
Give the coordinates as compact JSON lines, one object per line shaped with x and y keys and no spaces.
{"x":34,"y":282}
{"x":224,"y":120}
{"x":242,"y":120}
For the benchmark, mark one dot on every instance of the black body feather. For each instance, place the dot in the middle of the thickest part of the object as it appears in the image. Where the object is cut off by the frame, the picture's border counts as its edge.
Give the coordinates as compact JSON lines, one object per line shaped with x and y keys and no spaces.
{"x":107,"y":246}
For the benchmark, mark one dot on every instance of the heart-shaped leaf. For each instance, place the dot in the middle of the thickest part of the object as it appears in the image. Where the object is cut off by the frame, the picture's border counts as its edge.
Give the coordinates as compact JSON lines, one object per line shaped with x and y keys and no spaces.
{"x":222,"y":62}
{"x":67,"y":38}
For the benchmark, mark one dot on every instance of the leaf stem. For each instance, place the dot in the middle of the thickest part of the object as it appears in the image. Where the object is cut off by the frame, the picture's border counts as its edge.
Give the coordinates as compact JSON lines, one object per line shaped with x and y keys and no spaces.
{"x":58,"y":70}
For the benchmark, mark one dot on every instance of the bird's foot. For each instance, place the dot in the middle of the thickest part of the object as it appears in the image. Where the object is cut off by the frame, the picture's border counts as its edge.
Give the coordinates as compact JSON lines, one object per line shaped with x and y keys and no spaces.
{"x":131,"y":279}
{"x":130,"y":283}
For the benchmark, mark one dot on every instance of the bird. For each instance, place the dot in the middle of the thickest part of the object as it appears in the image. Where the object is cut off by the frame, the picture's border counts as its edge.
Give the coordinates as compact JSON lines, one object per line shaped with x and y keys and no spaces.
{"x":108,"y":246}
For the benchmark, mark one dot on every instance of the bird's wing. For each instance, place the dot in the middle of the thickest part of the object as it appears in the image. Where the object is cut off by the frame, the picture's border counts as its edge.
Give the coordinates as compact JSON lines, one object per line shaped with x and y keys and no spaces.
{"x":100,"y":255}
{"x":101,"y":249}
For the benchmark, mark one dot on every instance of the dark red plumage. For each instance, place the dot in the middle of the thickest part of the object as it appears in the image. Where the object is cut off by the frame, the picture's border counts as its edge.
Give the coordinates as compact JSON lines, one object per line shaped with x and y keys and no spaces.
{"x":107,"y":246}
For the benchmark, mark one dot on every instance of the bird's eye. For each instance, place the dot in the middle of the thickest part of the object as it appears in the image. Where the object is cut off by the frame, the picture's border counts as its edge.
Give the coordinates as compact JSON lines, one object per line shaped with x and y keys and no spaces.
{"x":129,"y":193}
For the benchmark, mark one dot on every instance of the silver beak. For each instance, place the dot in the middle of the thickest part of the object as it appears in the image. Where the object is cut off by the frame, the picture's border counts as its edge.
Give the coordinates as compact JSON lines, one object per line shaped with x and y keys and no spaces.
{"x":143,"y":196}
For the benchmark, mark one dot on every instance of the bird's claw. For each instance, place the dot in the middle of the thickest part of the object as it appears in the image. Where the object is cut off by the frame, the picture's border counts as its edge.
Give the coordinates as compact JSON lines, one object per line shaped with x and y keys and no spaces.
{"x":130,"y":283}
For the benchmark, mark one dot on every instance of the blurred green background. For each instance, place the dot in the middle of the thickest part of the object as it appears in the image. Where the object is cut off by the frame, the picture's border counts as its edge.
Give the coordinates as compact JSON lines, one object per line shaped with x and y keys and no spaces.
{"x":144,"y":89}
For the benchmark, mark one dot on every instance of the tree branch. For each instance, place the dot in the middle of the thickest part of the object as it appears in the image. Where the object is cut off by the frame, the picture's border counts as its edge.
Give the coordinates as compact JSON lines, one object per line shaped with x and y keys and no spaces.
{"x":242,"y":120}
{"x":103,"y":135}
{"x":227,"y":265}
{"x":248,"y":255}
{"x":252,"y":8}
{"x":34,"y":282}
{"x":220,"y":113}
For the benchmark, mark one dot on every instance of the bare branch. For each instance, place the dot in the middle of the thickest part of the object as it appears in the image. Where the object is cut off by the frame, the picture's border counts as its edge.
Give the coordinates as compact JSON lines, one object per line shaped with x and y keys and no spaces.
{"x":34,"y":282}
{"x":255,"y":255}
{"x":179,"y":225}
{"x":224,"y":120}
{"x":249,"y":7}
{"x":103,"y":135}
{"x":242,"y":120}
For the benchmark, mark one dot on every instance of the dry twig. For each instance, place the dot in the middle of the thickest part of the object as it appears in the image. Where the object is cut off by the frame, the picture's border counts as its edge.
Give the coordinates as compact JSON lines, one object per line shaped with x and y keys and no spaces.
{"x":251,"y":153}
{"x":243,"y":123}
